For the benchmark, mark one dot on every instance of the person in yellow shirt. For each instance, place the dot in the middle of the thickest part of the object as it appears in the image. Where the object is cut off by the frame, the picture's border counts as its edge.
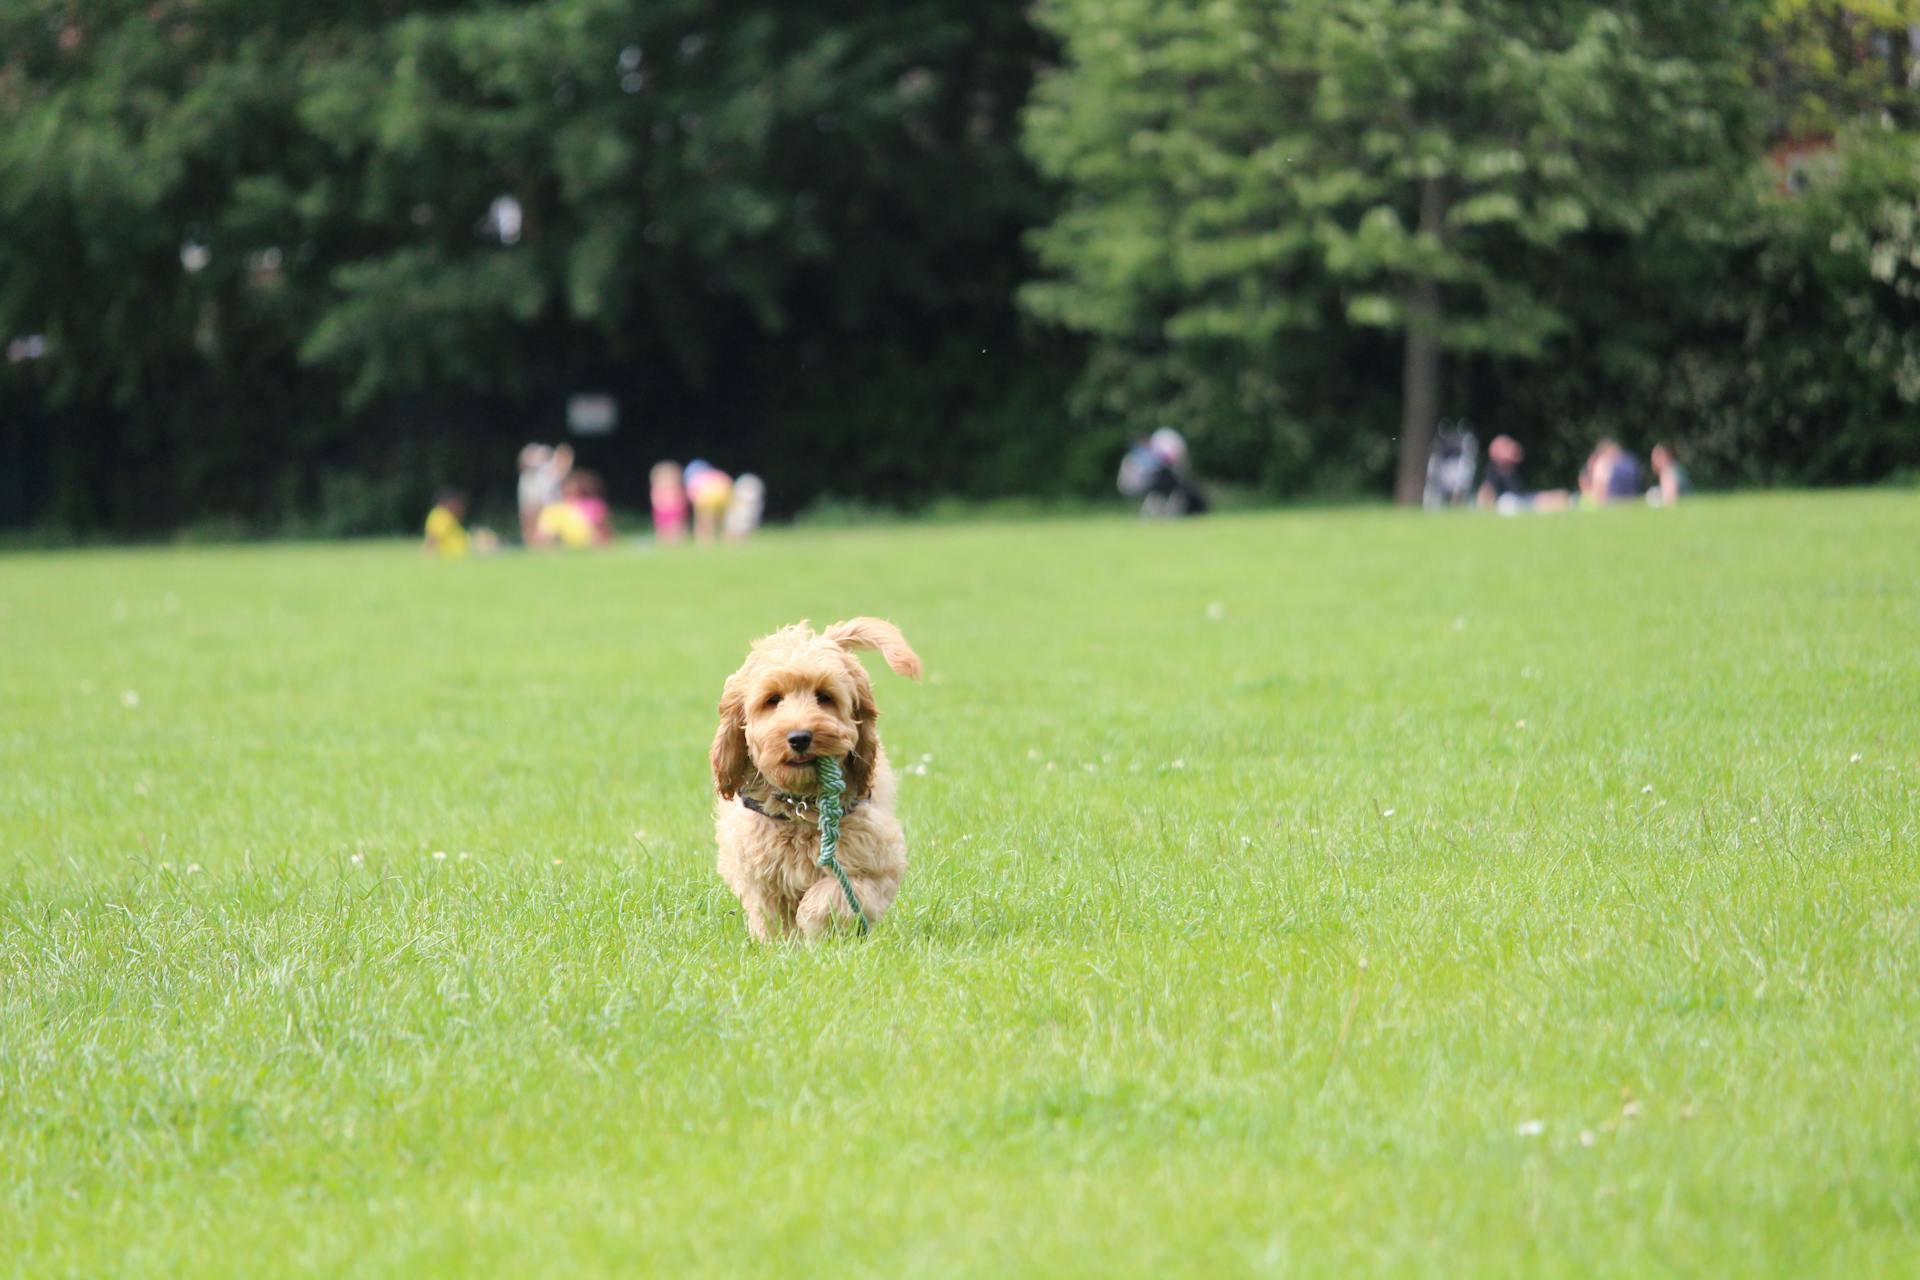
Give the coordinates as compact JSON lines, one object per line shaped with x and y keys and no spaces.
{"x":564,"y":524}
{"x":446,"y":536}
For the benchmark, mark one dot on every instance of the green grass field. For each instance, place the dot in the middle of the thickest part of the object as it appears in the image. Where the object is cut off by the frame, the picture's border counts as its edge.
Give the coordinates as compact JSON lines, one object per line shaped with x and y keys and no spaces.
{"x":1319,"y":894}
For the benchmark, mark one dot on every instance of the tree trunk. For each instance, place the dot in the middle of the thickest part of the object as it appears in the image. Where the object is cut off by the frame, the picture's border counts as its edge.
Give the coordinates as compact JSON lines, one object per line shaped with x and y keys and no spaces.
{"x":1420,"y":376}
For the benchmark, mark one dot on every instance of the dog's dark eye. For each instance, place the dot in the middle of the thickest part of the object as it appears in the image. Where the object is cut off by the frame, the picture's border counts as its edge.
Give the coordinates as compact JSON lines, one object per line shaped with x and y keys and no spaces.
{"x":824,"y":698}
{"x":773,"y":700}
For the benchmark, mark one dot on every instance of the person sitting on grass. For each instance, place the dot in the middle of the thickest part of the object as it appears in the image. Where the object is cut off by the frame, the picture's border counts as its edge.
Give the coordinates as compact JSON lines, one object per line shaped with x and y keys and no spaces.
{"x":1503,"y":490}
{"x":446,"y":536}
{"x":588,"y":492}
{"x":1611,"y":474}
{"x":579,"y":519}
{"x":1671,"y":481}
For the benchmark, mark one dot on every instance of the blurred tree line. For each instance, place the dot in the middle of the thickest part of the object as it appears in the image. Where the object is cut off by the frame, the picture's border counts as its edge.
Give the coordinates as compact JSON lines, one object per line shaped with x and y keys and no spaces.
{"x":289,"y":265}
{"x":1304,"y":231}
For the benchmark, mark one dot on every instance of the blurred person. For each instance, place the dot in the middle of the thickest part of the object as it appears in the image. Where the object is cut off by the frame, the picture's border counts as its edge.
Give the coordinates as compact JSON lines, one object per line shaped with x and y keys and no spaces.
{"x":536,"y":488}
{"x":446,"y":537}
{"x":744,"y":510}
{"x":1502,"y":488}
{"x":1138,"y":466}
{"x":588,"y":493}
{"x":709,"y":489}
{"x":1611,"y":474}
{"x":1671,"y":482}
{"x":1158,"y":470}
{"x":668,"y":494}
{"x":579,"y":519}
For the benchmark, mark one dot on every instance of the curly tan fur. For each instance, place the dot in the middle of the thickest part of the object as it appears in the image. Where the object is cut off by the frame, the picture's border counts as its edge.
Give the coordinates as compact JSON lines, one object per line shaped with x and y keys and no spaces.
{"x":797,"y":681}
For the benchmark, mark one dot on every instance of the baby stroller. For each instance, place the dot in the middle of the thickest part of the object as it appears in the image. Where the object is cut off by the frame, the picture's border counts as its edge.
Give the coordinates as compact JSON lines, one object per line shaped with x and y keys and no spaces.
{"x":1450,"y":466}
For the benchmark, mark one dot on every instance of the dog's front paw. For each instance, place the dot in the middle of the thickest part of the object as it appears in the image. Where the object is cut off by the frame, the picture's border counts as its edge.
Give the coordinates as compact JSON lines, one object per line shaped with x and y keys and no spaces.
{"x":824,"y":906}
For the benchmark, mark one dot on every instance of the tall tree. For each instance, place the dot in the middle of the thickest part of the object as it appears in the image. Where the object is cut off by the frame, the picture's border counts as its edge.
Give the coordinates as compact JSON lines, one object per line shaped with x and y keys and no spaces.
{"x":1826,"y":64}
{"x":287,"y":254}
{"x":1250,"y":174}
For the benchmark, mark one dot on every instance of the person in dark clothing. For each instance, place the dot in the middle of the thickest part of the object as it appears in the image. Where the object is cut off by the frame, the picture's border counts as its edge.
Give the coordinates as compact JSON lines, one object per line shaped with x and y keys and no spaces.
{"x":1503,"y":488}
{"x":1611,"y":474}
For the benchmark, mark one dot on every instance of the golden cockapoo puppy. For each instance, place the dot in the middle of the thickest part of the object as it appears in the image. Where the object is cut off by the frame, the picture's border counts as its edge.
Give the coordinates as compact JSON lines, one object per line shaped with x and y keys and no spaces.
{"x":797,"y":698}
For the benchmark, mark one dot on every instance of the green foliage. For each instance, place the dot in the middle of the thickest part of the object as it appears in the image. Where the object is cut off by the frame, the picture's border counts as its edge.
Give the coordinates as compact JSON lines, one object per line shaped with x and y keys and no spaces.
{"x":1828,"y":321}
{"x":1244,"y":186}
{"x":1825,"y":66}
{"x":1773,"y":342}
{"x":261,"y":239}
{"x":1618,"y":809}
{"x":708,"y":193}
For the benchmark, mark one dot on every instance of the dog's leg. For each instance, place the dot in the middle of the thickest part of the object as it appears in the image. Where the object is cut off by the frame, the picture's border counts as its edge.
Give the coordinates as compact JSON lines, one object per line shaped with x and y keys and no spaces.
{"x":825,"y":905}
{"x":763,"y":917}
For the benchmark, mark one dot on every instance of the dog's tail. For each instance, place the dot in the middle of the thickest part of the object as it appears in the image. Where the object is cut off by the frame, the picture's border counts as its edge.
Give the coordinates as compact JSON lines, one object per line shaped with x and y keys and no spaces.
{"x":880,"y":635}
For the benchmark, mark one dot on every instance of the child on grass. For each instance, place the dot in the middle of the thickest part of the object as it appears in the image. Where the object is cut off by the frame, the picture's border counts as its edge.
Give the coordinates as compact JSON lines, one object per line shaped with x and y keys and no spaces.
{"x":669,"y":497}
{"x":446,"y":536}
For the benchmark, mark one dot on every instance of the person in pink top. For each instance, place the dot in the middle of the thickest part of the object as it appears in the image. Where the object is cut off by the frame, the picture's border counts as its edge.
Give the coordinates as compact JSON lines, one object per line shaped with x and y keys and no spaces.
{"x":669,"y":502}
{"x":589,"y":496}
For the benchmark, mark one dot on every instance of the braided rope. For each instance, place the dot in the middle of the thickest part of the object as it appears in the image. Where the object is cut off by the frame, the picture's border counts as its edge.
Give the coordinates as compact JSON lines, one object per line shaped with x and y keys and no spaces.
{"x":832,"y":786}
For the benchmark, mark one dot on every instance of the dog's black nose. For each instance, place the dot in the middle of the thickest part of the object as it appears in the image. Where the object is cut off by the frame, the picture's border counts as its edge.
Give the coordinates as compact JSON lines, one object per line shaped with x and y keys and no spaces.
{"x":800,"y":739}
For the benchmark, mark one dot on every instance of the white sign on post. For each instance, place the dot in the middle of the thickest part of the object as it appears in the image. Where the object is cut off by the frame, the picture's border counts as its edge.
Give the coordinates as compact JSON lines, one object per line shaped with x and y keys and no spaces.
{"x":592,"y":414}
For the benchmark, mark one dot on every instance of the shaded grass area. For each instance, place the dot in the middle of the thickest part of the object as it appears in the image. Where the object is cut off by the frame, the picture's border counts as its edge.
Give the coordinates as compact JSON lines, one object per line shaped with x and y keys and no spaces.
{"x":1312,"y":894}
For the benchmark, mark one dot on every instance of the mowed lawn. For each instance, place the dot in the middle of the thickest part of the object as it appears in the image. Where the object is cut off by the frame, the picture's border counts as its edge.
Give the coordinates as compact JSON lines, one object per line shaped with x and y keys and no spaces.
{"x":1319,"y":893}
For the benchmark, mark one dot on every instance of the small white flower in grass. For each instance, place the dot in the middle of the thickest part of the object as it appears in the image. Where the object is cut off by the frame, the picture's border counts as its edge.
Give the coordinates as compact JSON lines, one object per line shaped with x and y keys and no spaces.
{"x":1530,"y":1128}
{"x":1647,"y":790}
{"x":166,"y":866}
{"x":1854,"y":758}
{"x":1050,"y":766}
{"x":129,"y":698}
{"x":464,"y":855}
{"x":1033,"y":753}
{"x":193,"y":868}
{"x":1386,"y":813}
{"x":1216,"y":611}
{"x":1630,"y":1108}
{"x":1586,"y":1137}
{"x":1178,"y":764}
{"x":926,"y":757}
{"x":558,"y":861}
{"x":356,"y":859}
{"x":439,"y":855}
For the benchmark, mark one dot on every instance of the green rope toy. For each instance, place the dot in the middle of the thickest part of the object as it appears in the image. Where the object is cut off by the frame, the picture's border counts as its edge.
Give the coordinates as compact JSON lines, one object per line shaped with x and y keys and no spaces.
{"x":832,"y":786}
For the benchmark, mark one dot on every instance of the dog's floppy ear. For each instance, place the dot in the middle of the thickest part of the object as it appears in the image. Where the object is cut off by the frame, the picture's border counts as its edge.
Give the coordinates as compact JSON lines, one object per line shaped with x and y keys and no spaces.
{"x":877,"y":633}
{"x":866,"y":745}
{"x":729,"y":754}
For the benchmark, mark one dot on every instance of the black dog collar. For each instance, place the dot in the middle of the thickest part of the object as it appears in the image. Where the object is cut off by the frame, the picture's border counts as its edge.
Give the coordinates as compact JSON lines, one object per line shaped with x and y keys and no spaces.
{"x":800,"y":805}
